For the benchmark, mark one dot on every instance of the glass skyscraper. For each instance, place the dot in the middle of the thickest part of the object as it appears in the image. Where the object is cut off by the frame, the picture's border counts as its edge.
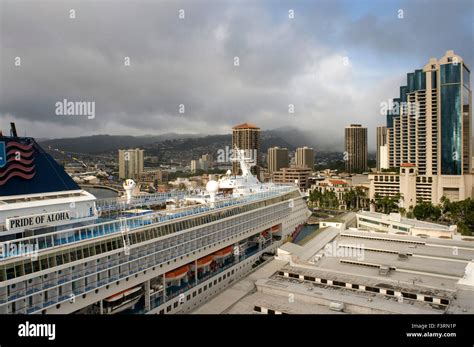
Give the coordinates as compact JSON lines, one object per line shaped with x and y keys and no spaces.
{"x":429,"y":124}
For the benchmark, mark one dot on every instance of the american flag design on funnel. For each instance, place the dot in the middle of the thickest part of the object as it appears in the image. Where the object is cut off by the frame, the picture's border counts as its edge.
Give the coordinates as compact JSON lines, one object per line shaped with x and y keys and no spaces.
{"x":16,"y":160}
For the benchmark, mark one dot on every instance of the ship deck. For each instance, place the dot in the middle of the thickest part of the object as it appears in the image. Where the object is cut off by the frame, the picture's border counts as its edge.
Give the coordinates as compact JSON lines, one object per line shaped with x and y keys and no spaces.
{"x":120,"y":224}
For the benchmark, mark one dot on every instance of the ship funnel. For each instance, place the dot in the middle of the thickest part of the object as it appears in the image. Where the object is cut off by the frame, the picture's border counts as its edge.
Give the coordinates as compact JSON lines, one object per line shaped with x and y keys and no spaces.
{"x":13,"y":130}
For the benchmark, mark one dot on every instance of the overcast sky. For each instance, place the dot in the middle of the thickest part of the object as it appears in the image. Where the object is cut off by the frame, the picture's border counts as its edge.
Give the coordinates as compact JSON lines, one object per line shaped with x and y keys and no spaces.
{"x":335,"y":61}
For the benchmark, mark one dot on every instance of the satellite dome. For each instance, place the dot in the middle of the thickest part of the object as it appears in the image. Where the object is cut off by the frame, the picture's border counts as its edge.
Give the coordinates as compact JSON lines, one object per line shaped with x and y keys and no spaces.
{"x":129,"y":184}
{"x":229,"y":172}
{"x":212,"y":186}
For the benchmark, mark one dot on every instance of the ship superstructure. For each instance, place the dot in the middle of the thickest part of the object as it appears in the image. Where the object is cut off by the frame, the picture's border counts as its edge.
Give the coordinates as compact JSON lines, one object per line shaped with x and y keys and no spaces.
{"x":64,"y":251}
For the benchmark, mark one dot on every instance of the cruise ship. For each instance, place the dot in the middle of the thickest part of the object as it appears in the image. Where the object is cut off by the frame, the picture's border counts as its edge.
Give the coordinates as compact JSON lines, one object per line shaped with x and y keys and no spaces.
{"x":64,"y":251}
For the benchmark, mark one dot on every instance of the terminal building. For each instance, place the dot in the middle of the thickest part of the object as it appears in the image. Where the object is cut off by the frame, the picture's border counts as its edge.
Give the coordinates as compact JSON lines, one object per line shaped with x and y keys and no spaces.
{"x":395,"y":224}
{"x":355,"y":271}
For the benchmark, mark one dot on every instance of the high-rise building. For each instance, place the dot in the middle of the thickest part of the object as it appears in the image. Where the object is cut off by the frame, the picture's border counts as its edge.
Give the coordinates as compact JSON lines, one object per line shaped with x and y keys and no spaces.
{"x":429,"y":131}
{"x":208,"y":159}
{"x":430,"y":123}
{"x":130,"y":162}
{"x":203,"y":164}
{"x":246,"y":136}
{"x":382,"y":148}
{"x":355,"y":154}
{"x":277,"y":158}
{"x":194,"y":165}
{"x":304,"y":157}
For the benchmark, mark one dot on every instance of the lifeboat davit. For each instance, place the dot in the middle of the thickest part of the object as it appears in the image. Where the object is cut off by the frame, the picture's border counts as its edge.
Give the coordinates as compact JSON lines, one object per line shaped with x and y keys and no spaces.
{"x":122,"y":294}
{"x":177,"y":273}
{"x":223,"y":252}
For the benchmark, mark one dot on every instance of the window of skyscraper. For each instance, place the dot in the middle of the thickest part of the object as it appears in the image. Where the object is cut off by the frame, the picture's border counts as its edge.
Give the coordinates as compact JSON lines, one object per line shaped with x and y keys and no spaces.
{"x":450,"y":73}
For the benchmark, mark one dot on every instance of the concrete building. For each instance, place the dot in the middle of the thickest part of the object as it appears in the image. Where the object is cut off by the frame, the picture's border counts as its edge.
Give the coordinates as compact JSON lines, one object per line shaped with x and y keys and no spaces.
{"x":382,"y":148}
{"x":246,"y":136}
{"x":153,"y":177}
{"x":304,"y":157}
{"x":130,"y":162}
{"x":209,"y":159}
{"x":429,"y":126}
{"x":338,"y":186}
{"x":394,"y":223}
{"x":277,"y":158}
{"x":194,"y":165}
{"x":355,"y":154}
{"x":293,"y":174}
{"x":204,"y":163}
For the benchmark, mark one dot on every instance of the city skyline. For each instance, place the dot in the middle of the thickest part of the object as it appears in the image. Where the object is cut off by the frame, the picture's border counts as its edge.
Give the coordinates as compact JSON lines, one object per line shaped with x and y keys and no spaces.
{"x":336,"y":72}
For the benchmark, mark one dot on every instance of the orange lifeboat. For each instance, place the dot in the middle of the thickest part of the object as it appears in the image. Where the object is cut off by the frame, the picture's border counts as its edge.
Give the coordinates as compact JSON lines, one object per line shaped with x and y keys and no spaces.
{"x":223,"y":252}
{"x":177,"y":273}
{"x":275,"y":229}
{"x":205,"y":261}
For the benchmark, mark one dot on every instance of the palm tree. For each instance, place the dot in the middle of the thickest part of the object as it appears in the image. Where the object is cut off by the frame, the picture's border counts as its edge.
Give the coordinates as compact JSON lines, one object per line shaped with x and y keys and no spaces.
{"x":360,"y":196}
{"x":349,"y":198}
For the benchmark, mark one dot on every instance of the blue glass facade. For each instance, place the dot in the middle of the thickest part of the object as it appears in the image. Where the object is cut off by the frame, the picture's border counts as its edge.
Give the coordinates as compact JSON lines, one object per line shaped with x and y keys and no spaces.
{"x":451,"y":129}
{"x":390,"y":119}
{"x":450,"y":73}
{"x":420,"y":80}
{"x":403,"y":93}
{"x":410,"y":82}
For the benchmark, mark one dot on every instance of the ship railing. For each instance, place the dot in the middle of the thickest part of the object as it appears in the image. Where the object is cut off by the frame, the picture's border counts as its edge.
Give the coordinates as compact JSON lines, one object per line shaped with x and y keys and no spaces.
{"x":30,"y":246}
{"x":111,"y":204}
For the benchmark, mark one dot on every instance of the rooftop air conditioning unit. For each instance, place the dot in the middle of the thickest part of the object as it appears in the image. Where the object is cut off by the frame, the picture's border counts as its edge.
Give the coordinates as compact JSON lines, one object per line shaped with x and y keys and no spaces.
{"x":402,"y":256}
{"x":336,"y":306}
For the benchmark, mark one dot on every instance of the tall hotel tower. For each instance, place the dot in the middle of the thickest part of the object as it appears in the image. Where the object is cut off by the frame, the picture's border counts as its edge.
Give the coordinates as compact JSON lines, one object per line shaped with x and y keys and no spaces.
{"x":277,"y":158}
{"x":304,"y":157}
{"x":130,"y":162}
{"x":246,"y":136}
{"x":356,"y":148}
{"x":429,"y":133}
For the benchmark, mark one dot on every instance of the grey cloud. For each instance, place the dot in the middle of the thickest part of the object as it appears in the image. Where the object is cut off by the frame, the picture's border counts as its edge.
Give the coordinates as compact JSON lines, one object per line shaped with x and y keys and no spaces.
{"x":190,"y":62}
